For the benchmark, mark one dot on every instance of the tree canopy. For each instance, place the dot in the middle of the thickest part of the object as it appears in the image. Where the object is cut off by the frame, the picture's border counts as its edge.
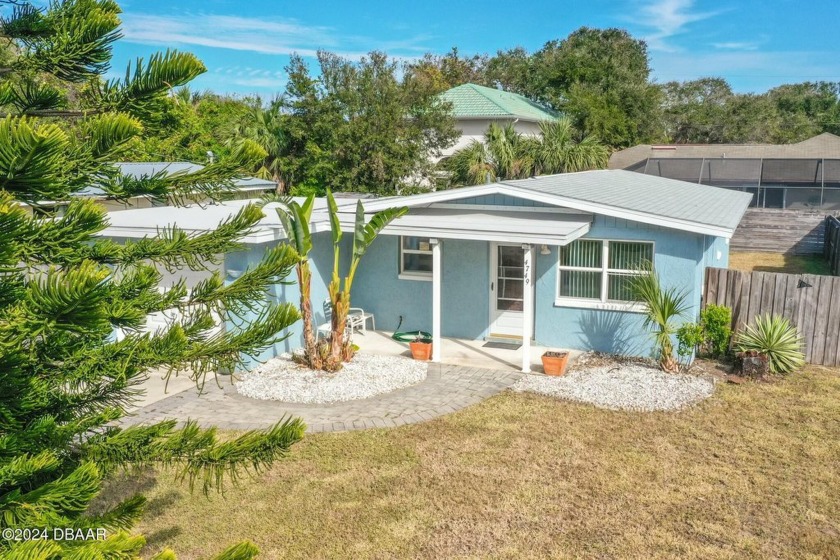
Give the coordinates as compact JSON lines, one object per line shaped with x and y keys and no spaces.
{"x":73,"y":305}
{"x":356,"y":126}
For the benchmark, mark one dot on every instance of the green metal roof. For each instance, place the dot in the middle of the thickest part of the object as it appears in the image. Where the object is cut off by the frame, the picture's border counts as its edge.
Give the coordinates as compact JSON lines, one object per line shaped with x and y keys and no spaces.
{"x":471,"y":101}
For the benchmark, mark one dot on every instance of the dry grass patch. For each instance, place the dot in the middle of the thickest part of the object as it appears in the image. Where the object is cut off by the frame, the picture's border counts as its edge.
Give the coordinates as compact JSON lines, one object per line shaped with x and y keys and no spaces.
{"x":777,"y":262}
{"x":750,"y":473}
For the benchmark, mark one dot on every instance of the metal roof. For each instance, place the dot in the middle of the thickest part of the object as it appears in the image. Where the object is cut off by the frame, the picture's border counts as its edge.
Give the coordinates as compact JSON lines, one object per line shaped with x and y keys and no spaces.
{"x":138,"y":170}
{"x":622,"y":194}
{"x":201,"y":218}
{"x":644,"y":196}
{"x":489,"y":225}
{"x":575,"y":196}
{"x":471,"y":101}
{"x":824,"y":145}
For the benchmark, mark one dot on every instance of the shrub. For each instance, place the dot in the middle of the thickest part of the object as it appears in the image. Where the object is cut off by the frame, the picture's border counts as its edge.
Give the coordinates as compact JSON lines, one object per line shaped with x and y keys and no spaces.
{"x":775,"y":337}
{"x":717,"y":331}
{"x":690,"y":336}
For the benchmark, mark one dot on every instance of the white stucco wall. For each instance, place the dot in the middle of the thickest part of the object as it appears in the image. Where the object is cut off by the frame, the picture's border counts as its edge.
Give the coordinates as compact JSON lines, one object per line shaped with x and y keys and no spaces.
{"x":474,"y":129}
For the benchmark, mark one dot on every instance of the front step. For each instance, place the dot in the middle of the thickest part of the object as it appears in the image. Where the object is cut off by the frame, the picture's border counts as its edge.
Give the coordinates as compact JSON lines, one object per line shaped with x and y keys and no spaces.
{"x":503,"y":339}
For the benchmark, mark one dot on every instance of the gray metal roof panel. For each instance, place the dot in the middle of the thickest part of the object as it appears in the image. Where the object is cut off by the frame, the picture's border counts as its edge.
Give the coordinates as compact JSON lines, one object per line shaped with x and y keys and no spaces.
{"x":645,"y":194}
{"x":825,"y":145}
{"x":138,"y":170}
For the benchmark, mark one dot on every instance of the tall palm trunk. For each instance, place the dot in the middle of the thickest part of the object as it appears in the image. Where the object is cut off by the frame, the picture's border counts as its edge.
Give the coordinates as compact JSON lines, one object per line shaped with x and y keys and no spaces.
{"x":304,"y":274}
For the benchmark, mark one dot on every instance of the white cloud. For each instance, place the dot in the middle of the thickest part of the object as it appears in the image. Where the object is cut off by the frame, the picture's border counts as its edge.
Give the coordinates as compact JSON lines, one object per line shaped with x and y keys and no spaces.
{"x":666,"y":19}
{"x":259,"y":35}
{"x":737,"y":46}
{"x":273,"y":83}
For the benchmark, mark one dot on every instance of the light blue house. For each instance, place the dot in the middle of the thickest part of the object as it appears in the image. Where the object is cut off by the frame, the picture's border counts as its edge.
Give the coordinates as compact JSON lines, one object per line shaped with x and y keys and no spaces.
{"x":541,"y":261}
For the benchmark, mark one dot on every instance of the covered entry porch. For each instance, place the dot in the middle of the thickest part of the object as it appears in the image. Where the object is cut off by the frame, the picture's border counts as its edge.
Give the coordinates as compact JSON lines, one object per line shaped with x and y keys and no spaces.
{"x":454,"y":351}
{"x":512,"y":235}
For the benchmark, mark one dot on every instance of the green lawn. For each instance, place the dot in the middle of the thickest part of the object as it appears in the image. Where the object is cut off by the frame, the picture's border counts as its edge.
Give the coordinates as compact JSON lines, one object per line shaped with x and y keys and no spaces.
{"x":777,"y":262}
{"x":750,"y":473}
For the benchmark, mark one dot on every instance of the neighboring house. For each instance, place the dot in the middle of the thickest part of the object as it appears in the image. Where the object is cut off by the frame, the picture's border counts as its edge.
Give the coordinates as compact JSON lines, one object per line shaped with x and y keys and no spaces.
{"x":544,"y":260}
{"x":476,"y":107}
{"x":248,"y":187}
{"x":805,"y":175}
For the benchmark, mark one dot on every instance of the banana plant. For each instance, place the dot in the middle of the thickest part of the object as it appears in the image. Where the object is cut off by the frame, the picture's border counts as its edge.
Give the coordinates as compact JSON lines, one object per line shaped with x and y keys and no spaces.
{"x":339,"y":288}
{"x":295,"y":219}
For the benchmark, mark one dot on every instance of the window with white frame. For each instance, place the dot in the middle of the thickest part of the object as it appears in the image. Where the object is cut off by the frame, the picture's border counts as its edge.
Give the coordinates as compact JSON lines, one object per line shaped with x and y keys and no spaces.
{"x":598,"y":271}
{"x":415,"y":257}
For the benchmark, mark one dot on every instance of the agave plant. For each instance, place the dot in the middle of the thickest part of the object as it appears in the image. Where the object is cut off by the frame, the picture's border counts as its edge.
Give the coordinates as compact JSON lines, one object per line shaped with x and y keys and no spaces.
{"x":663,"y":306}
{"x":776,"y":338}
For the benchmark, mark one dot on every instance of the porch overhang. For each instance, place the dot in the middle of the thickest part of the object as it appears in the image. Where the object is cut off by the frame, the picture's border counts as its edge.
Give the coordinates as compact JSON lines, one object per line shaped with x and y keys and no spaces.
{"x":506,"y":226}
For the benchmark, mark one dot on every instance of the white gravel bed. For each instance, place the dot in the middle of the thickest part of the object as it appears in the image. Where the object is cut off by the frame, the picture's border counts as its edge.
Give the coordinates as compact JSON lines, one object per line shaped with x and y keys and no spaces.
{"x":622,"y":387}
{"x":280,"y":379}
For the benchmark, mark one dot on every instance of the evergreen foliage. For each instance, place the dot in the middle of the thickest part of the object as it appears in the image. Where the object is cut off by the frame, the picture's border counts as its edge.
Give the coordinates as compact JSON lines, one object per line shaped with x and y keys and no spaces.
{"x":507,"y":154}
{"x":357,"y":127}
{"x":66,"y":379}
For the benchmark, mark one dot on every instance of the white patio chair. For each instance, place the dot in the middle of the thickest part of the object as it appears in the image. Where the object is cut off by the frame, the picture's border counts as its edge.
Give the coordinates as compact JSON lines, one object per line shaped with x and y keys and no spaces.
{"x":357,"y":318}
{"x":324,"y":329}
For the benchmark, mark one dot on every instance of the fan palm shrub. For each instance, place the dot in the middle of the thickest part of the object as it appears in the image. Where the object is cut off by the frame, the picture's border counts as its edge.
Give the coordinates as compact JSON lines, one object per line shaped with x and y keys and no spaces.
{"x":507,"y":154}
{"x":264,"y":126}
{"x":663,"y":306}
{"x":776,"y":338}
{"x":558,"y":151}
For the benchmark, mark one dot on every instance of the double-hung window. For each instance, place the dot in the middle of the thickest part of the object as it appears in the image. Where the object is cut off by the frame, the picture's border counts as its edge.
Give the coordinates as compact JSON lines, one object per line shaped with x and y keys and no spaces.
{"x":415,"y":258}
{"x":597,"y":273}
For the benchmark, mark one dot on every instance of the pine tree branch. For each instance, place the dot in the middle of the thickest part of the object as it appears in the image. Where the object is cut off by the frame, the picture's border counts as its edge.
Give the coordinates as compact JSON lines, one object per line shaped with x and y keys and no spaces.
{"x":54,"y":113}
{"x":197,"y":453}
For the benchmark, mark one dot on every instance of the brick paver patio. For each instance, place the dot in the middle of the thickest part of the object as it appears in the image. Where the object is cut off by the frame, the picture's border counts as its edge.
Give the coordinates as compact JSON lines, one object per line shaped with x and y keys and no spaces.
{"x":447,"y":388}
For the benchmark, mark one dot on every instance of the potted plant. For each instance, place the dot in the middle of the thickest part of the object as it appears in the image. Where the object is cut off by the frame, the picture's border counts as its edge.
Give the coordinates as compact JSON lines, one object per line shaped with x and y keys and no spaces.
{"x":421,"y":348}
{"x":554,"y":363}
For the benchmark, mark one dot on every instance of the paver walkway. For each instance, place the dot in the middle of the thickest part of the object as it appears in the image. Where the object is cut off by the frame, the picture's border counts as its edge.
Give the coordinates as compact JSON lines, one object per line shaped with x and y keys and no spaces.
{"x":447,"y":388}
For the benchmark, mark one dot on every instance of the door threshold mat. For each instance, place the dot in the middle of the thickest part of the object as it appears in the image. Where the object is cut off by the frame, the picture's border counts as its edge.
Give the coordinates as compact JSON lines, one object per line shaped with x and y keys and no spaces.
{"x":503,"y":345}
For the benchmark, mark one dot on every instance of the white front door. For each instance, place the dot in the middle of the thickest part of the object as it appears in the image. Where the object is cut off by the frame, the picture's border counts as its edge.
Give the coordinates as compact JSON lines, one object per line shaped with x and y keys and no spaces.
{"x":506,"y":290}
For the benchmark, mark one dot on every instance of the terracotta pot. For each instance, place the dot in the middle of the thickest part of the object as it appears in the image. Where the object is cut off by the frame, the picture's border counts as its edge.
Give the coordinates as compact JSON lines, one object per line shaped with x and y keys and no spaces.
{"x":421,"y":350}
{"x":554,"y":363}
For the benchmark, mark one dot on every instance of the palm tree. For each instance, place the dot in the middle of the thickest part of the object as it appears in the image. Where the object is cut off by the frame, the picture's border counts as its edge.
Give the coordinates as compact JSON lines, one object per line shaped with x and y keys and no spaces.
{"x":265,"y":127}
{"x":663,"y":306}
{"x":364,"y":233}
{"x":559,"y":152}
{"x":472,"y":165}
{"x":507,"y":154}
{"x":295,"y":219}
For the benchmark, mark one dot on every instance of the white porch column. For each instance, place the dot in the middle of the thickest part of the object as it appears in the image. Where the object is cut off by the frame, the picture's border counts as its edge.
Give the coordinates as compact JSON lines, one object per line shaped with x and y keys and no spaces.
{"x":527,"y":306}
{"x":437,"y":274}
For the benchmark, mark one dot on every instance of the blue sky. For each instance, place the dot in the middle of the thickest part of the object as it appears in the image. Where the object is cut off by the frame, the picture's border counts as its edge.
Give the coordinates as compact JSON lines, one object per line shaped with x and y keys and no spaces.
{"x":755,"y":44}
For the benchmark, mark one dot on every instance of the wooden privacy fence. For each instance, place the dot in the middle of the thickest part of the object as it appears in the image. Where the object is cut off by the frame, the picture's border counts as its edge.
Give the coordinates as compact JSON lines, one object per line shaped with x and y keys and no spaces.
{"x":831,"y":248}
{"x":811,"y":302}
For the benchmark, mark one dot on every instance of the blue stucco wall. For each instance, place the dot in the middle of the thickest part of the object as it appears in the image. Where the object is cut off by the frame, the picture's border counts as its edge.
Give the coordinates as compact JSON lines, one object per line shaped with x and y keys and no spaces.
{"x":465,"y":298}
{"x":321,"y":263}
{"x":679,"y":261}
{"x":717,"y":252}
